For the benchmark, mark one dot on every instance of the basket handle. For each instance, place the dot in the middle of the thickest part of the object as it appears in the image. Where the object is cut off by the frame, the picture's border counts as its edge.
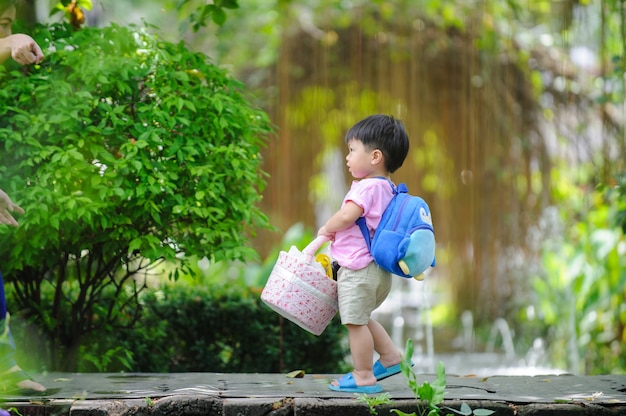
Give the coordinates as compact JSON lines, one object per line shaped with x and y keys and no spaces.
{"x":310,"y":250}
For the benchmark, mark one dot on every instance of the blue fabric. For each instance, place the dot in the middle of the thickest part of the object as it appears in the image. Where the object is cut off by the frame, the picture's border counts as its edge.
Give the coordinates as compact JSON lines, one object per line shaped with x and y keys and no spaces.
{"x":3,"y":300}
{"x":381,"y":372}
{"x":405,"y":236}
{"x":7,"y":344}
{"x":347,"y":384}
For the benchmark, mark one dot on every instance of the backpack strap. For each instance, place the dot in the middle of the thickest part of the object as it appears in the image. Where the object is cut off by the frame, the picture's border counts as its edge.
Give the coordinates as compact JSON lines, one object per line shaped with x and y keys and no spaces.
{"x":366,"y":233}
{"x":361,"y":220}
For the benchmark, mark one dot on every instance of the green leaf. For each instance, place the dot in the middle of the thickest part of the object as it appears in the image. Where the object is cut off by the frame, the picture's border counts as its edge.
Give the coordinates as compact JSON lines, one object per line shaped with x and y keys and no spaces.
{"x":483,"y":412}
{"x":190,"y":105}
{"x":135,"y":244}
{"x":85,"y":4}
{"x":465,"y":410}
{"x":218,"y":16}
{"x":425,"y":392}
{"x":439,"y":385}
{"x":401,"y":413}
{"x":229,"y":4}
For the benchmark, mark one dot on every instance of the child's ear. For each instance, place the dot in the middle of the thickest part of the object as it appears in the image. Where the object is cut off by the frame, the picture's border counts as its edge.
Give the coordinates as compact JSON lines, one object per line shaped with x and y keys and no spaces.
{"x":377,"y":157}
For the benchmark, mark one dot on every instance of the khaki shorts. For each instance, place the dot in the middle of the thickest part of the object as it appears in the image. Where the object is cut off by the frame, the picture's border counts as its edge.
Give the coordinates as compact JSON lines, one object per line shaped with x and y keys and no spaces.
{"x":360,"y":292}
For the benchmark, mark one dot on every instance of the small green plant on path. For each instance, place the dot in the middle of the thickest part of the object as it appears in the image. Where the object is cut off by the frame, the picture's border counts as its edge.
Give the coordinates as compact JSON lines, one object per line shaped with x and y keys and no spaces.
{"x":428,"y":395}
{"x":372,"y":402}
{"x":467,"y":411}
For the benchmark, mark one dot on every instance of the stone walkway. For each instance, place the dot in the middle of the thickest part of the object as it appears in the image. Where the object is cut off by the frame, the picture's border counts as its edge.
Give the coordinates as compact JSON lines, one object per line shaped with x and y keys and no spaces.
{"x":276,"y":394}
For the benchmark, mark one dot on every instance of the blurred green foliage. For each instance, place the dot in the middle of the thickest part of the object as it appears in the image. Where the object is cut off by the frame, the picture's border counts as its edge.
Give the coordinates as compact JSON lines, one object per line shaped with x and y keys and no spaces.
{"x":581,"y":295}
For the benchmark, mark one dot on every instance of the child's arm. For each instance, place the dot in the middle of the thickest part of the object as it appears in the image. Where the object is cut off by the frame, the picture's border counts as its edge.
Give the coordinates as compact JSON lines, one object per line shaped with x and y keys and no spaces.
{"x":342,"y":219}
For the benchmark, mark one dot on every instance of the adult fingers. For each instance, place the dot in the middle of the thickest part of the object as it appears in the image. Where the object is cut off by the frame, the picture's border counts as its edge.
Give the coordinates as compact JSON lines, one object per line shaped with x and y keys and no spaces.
{"x":6,"y":218}
{"x":28,"y":54}
{"x":37,"y":52}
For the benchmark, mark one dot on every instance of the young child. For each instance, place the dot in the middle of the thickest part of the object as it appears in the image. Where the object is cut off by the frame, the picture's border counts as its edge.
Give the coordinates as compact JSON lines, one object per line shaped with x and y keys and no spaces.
{"x":377,"y":146}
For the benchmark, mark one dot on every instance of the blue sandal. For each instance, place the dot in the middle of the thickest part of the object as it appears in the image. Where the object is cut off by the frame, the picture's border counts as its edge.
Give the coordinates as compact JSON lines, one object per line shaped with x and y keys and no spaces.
{"x":381,"y":372}
{"x":347,"y":384}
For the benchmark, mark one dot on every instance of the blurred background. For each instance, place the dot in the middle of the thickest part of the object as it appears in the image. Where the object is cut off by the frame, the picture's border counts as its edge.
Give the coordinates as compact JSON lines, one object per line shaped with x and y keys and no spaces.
{"x":515,"y":112}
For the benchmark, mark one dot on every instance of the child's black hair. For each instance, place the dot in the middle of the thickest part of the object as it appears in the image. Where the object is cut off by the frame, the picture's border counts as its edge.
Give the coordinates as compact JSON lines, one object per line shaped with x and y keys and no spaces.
{"x":385,"y":133}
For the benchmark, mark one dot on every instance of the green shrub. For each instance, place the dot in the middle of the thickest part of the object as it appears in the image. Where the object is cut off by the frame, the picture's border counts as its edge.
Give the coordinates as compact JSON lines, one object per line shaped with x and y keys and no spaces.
{"x":127,"y":152}
{"x":213,"y":329}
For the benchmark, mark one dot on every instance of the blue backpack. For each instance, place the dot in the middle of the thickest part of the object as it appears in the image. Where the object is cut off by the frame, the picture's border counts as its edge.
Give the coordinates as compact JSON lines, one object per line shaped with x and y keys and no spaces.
{"x":404,"y":242}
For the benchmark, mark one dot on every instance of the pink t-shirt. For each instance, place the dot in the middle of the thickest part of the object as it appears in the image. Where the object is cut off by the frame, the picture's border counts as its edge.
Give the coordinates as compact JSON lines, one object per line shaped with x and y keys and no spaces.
{"x":349,"y":248}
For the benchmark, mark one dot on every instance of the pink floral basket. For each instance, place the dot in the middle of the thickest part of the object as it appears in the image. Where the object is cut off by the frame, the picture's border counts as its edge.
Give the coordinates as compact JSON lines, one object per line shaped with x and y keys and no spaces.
{"x":299,"y":289}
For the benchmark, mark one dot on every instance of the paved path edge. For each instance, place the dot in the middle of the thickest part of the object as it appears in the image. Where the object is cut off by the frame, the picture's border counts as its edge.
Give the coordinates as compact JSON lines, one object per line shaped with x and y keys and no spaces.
{"x":203,"y":405}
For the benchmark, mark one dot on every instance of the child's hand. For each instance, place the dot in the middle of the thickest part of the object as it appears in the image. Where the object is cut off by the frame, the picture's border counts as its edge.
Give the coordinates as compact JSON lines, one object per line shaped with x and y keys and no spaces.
{"x":324,"y":232}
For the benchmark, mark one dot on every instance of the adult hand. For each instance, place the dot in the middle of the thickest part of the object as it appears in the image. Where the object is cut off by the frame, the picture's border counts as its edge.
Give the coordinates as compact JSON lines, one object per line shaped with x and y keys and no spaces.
{"x":6,"y":207}
{"x":24,"y":49}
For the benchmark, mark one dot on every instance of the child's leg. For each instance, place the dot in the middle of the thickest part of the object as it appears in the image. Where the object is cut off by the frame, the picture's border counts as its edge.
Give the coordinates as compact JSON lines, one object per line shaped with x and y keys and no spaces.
{"x":383,"y":345}
{"x":362,"y":350}
{"x":360,"y":292}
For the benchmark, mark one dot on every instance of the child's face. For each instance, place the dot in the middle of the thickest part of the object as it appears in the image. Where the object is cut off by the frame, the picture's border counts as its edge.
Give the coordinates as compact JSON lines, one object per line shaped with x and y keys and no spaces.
{"x":6,"y":20}
{"x":359,"y":159}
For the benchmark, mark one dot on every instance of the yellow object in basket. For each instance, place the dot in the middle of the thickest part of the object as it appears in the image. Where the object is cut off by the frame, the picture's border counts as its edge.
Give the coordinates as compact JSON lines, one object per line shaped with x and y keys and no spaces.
{"x":324,"y":260}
